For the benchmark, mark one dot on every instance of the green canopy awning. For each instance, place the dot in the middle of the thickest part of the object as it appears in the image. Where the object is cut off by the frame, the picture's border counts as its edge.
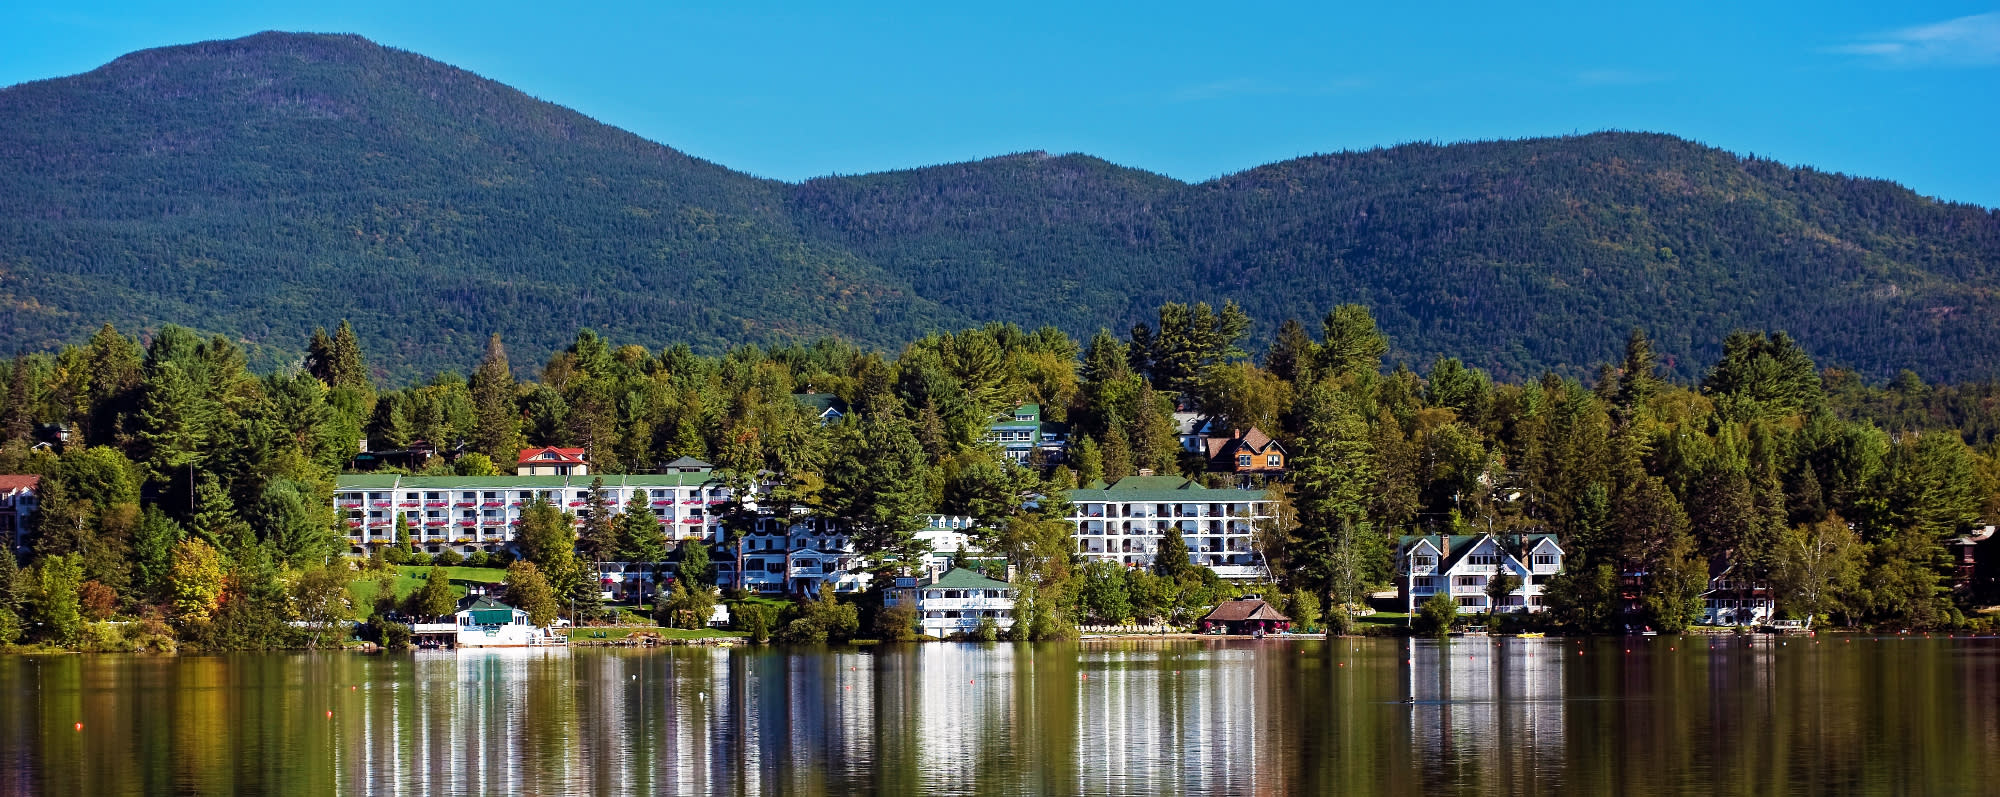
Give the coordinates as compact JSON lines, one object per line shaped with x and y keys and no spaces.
{"x":492,"y":616}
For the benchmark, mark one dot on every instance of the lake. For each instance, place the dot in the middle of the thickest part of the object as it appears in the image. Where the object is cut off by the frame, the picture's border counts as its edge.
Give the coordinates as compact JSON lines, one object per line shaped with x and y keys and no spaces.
{"x":1692,"y":715}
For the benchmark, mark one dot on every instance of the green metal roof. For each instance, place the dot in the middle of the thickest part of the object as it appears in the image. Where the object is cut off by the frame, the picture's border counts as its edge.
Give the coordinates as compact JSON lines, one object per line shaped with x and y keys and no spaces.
{"x":960,"y":578}
{"x":1155,"y":483}
{"x":372,"y":481}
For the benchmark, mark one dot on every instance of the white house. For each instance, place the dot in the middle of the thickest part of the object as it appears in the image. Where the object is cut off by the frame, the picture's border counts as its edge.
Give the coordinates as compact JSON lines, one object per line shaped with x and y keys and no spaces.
{"x":17,"y":502}
{"x":1462,"y":565}
{"x":956,"y":603}
{"x":1734,"y":598}
{"x":1124,"y":522}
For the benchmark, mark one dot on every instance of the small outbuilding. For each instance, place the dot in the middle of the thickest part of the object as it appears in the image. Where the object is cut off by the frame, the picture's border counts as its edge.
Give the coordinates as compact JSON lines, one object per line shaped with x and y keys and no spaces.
{"x":1245,"y":616}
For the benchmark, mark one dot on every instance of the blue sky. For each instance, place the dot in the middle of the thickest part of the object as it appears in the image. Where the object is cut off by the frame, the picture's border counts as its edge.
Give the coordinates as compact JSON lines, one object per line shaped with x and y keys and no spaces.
{"x":1905,"y":91}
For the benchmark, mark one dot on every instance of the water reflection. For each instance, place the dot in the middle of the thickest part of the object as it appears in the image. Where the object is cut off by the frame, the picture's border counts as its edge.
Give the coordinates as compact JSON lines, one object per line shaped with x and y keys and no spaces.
{"x":1470,"y":716}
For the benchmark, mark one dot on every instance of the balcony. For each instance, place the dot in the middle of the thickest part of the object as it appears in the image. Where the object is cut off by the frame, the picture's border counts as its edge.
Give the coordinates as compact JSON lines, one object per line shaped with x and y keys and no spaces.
{"x":436,"y":504}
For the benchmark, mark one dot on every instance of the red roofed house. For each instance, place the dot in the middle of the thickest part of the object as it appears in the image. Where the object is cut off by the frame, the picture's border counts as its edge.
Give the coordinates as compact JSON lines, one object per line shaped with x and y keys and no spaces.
{"x":551,"y":461}
{"x":1245,"y":452}
{"x":17,"y":502}
{"x":1245,"y":616}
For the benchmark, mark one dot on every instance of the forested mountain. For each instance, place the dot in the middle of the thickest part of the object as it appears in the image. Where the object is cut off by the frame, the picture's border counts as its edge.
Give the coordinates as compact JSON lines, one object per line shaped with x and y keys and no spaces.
{"x":264,"y":186}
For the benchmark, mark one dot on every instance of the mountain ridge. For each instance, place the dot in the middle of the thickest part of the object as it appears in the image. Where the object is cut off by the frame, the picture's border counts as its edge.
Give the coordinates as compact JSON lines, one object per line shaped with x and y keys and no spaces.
{"x":261,"y":186}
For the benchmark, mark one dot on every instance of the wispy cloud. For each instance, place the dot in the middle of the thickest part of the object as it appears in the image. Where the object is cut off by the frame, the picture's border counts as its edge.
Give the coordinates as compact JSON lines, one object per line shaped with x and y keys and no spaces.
{"x":1251,"y":87}
{"x":1618,"y":77}
{"x":1965,"y":41}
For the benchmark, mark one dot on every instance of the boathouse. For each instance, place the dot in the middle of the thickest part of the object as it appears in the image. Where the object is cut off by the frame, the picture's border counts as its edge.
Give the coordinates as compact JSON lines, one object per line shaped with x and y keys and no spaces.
{"x":1245,"y":616}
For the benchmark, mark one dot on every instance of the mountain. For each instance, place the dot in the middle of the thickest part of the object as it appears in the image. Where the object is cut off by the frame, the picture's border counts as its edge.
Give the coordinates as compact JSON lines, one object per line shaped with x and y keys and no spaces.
{"x":263,"y":186}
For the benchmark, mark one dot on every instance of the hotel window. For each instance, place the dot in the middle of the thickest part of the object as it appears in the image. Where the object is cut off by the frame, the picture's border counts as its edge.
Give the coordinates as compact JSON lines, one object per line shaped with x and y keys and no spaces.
{"x":1545,"y":559}
{"x":1271,"y":460}
{"x":1482,"y":559}
{"x":1423,"y":561}
{"x":1422,"y":582}
{"x":1467,"y":581}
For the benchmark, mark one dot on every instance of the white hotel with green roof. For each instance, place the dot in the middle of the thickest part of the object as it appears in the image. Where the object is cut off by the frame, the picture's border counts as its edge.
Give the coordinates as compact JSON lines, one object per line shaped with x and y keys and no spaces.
{"x":1125,"y":521}
{"x":481,"y":513}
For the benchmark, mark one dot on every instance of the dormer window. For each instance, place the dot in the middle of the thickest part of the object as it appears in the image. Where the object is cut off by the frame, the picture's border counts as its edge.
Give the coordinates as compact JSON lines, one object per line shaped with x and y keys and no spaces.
{"x":1243,"y":460}
{"x":1271,"y":460}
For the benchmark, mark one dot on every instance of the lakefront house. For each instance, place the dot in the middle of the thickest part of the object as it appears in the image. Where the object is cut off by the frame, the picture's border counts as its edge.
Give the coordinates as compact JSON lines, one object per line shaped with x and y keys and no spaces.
{"x":956,"y":603}
{"x":1463,"y":565}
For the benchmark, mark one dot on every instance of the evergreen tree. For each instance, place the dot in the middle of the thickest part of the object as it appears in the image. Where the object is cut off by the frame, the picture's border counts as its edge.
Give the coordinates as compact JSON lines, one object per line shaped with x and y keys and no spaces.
{"x":346,"y":368}
{"x":876,"y":489}
{"x":18,"y":419}
{"x":1352,"y":344}
{"x":638,"y":532}
{"x":1170,"y":559}
{"x":695,"y":567}
{"x":1331,"y":474}
{"x":58,"y":609}
{"x":1289,"y":351}
{"x":599,"y":542}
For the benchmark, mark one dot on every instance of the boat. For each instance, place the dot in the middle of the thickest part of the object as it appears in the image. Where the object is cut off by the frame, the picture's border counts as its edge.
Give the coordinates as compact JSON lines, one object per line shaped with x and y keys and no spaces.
{"x":1530,"y":635}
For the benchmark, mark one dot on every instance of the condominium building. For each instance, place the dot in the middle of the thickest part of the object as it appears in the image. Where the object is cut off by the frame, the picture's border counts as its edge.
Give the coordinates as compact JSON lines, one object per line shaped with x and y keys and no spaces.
{"x":1125,"y":521}
{"x":482,"y":513}
{"x":797,"y":555}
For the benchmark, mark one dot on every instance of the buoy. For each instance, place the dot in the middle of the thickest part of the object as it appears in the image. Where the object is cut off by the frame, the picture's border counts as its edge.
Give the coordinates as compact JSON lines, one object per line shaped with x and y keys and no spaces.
{"x":329,"y":715}
{"x":79,"y":726}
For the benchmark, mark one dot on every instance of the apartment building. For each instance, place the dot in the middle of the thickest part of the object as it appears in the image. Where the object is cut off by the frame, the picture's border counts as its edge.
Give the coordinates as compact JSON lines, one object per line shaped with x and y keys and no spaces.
{"x":475,"y":513}
{"x":1125,"y":521}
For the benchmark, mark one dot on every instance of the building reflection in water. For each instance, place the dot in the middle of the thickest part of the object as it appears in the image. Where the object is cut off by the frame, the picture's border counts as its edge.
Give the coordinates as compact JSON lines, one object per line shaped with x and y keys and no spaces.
{"x":1401,"y":717}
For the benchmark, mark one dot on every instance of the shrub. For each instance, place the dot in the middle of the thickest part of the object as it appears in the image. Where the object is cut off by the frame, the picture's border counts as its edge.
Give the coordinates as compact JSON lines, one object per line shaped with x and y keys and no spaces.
{"x":1436,"y":615}
{"x":988,"y":631}
{"x":478,"y":559}
{"x":449,"y":557}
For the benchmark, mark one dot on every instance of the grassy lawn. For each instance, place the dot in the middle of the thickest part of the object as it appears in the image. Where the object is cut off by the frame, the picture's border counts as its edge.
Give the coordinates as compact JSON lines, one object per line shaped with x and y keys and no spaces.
{"x":410,"y":578}
{"x":609,"y":634}
{"x":1384,"y":618}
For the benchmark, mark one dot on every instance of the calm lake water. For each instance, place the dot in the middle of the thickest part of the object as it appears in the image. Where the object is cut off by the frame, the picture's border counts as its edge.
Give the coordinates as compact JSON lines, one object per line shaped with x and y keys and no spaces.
{"x":1488,"y":717}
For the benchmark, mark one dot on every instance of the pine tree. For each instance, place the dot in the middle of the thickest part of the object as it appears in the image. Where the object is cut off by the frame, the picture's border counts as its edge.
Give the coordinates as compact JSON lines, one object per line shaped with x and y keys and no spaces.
{"x":1170,"y":559}
{"x":1289,"y":351}
{"x":876,"y":487}
{"x":347,"y":369}
{"x":17,"y":422}
{"x":599,"y":541}
{"x":1352,"y":343}
{"x":320,"y":356}
{"x":639,"y":538}
{"x":497,"y":426}
{"x":1332,"y":474}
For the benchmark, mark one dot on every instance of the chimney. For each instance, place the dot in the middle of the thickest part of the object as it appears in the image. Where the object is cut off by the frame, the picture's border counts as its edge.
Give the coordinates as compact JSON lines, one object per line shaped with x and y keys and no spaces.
{"x":1444,"y":545}
{"x":1145,"y":471}
{"x":1236,"y":433}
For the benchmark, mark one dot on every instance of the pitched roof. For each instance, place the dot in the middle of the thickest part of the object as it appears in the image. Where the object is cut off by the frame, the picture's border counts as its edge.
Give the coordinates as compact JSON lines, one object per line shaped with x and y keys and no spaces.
{"x":11,"y":482}
{"x":1164,"y":489}
{"x":961,"y":578}
{"x":683,"y":463}
{"x":1242,"y":609}
{"x":822,"y":402}
{"x":560,"y":456}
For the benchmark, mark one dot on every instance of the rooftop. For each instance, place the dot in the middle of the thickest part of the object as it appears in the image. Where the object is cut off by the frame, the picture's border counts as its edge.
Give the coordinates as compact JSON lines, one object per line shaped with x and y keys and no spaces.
{"x":961,"y":578}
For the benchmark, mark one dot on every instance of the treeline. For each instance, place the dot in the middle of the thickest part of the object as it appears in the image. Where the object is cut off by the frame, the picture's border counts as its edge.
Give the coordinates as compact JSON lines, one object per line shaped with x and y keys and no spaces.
{"x":194,"y":494}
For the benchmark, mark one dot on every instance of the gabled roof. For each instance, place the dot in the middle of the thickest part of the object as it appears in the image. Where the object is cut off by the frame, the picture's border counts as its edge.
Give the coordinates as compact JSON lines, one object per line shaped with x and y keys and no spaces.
{"x":480,"y":603}
{"x":1242,"y":609}
{"x":961,"y":578}
{"x":1224,"y":450}
{"x":821,"y":403}
{"x":12,"y":482}
{"x":550,"y":455}
{"x":688,"y":463}
{"x":1462,"y":545}
{"x":1164,"y":489}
